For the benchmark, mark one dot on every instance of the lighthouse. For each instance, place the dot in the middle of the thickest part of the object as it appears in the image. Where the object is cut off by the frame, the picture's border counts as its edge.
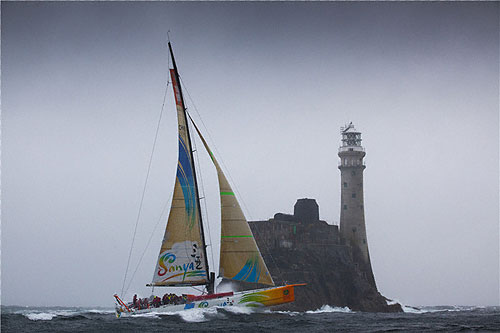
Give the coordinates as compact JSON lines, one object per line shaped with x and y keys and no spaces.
{"x":352,"y":212}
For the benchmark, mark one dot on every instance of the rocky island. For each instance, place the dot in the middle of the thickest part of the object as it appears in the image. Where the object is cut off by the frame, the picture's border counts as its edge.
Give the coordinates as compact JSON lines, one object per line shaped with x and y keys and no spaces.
{"x":333,"y":260}
{"x":301,"y":248}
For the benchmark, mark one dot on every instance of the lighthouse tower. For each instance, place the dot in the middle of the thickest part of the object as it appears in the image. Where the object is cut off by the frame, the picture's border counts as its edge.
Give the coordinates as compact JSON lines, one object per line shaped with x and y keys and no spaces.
{"x":352,"y":213}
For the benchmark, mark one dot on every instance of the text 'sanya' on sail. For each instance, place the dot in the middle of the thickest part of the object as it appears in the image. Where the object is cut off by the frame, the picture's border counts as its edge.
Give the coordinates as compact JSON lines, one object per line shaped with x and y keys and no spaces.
{"x":182,"y":260}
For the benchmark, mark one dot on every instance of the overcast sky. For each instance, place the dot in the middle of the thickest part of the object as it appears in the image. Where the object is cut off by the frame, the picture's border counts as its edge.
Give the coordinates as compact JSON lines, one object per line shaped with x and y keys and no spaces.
{"x":82,"y":89}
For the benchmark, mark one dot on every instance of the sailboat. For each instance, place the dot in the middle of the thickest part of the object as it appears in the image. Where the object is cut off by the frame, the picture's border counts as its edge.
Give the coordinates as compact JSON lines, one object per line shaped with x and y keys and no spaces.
{"x":182,"y":260}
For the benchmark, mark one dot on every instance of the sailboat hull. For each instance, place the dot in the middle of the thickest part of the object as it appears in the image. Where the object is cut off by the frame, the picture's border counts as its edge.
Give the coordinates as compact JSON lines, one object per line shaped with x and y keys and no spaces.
{"x":251,"y":298}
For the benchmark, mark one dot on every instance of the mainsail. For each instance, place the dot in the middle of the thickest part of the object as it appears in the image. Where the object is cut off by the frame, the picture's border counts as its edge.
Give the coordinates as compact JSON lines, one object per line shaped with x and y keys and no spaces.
{"x":182,"y":259}
{"x":240,"y":258}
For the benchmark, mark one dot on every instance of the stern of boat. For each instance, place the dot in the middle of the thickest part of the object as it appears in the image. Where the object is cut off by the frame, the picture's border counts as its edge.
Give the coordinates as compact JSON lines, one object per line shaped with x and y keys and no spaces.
{"x":270,"y":297}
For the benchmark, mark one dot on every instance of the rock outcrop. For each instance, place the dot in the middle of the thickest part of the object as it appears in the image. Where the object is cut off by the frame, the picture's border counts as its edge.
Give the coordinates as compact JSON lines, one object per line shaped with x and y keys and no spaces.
{"x":300,"y":248}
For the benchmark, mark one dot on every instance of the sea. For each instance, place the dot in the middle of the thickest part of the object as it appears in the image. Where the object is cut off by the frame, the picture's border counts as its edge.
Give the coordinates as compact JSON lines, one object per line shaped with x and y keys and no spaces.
{"x":235,"y":319}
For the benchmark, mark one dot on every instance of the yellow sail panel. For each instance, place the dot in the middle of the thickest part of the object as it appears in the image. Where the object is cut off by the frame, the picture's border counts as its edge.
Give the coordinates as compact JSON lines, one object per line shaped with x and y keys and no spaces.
{"x":240,"y":258}
{"x":181,"y":259}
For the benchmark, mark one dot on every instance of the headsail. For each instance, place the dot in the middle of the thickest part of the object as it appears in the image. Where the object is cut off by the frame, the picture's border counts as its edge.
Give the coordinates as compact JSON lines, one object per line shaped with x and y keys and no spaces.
{"x":182,"y":259}
{"x":240,"y":258}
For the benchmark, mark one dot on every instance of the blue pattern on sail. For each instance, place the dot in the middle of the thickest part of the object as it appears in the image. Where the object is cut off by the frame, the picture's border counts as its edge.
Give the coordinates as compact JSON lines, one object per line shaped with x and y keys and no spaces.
{"x":186,"y":180}
{"x":250,"y":272}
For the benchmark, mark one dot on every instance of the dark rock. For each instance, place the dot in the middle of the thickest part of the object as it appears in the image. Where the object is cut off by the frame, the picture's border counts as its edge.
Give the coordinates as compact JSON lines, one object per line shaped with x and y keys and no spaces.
{"x":308,"y":250}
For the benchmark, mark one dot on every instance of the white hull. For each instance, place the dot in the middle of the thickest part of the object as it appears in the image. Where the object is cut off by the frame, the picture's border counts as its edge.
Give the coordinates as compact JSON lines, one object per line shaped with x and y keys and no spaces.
{"x":250,"y":298}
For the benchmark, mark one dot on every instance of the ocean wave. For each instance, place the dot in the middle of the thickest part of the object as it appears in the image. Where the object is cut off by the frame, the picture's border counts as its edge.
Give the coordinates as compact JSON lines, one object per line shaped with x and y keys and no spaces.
{"x":329,"y":309}
{"x":406,"y":308}
{"x":439,"y":308}
{"x":97,"y":311}
{"x":239,"y":309}
{"x":155,"y":315}
{"x":197,"y":315}
{"x":323,"y":309}
{"x":49,"y":315}
{"x":289,"y":313}
{"x":40,"y":316}
{"x":451,"y":308}
{"x":411,"y":309}
{"x":95,"y":319}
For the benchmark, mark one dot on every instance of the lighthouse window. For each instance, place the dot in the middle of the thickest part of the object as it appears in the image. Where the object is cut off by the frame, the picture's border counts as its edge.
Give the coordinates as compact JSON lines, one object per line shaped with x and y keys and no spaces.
{"x":354,"y":195}
{"x":353,"y":173}
{"x":345,"y":184}
{"x":364,"y":241}
{"x":345,"y":207}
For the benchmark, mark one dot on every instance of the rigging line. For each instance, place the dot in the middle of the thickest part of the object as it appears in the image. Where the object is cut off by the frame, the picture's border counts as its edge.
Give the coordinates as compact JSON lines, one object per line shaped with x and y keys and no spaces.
{"x":149,"y":241}
{"x":144,"y":188}
{"x":204,"y":202}
{"x":270,"y":255}
{"x":222,"y":161}
{"x":200,"y":290}
{"x":217,"y":151}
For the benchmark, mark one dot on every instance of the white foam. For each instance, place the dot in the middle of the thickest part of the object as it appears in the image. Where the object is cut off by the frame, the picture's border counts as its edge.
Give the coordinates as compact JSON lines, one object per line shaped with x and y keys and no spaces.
{"x":290,"y":313}
{"x":411,"y":309}
{"x":51,"y":314}
{"x":391,"y":301}
{"x":155,"y":315}
{"x":464,"y":308}
{"x":40,"y":316}
{"x":239,"y":309}
{"x":196,"y":315}
{"x":405,"y":308}
{"x":100,"y":311}
{"x":454,"y":308}
{"x":431,"y":309}
{"x":48,"y":315}
{"x":329,"y":309}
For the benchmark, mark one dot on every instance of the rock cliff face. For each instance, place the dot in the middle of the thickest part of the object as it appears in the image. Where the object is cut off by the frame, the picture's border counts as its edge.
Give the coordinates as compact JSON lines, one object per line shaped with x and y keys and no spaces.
{"x":300,"y":248}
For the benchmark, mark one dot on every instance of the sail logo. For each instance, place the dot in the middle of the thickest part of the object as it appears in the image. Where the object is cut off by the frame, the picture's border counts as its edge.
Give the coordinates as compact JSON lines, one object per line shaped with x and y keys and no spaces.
{"x":186,"y":181}
{"x":182,"y":263}
{"x":250,"y":271}
{"x":167,"y":265}
{"x":167,"y":258}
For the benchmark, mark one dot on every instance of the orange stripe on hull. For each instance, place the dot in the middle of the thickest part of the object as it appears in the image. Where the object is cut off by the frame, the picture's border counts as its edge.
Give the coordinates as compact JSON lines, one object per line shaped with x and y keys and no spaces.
{"x":270,"y":297}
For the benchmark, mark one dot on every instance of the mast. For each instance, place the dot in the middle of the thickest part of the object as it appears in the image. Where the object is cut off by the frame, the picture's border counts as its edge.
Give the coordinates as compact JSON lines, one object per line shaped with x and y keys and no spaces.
{"x":210,"y":285}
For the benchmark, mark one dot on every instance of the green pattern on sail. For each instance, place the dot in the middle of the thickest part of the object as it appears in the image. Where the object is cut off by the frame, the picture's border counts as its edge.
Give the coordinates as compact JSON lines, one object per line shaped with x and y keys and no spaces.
{"x":240,"y":258}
